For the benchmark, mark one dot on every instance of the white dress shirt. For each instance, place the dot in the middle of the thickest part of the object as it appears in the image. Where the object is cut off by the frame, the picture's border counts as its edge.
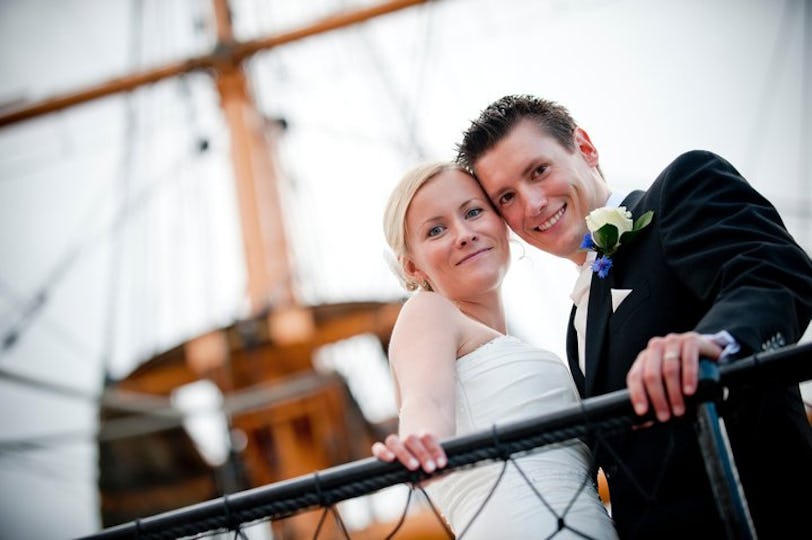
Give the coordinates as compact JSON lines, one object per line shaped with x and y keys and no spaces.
{"x":580,"y":292}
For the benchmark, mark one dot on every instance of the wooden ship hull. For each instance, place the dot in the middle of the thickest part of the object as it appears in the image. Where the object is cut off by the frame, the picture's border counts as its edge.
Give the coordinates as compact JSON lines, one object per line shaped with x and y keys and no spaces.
{"x":287,"y":418}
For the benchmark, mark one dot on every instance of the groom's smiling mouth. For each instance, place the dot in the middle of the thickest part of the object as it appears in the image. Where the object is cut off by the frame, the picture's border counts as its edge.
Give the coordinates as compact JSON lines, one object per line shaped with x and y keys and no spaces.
{"x":553,"y":220}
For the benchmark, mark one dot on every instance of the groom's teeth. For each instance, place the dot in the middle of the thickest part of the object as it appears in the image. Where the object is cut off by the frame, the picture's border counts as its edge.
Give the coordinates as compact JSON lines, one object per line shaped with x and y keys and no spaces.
{"x":552,"y":221}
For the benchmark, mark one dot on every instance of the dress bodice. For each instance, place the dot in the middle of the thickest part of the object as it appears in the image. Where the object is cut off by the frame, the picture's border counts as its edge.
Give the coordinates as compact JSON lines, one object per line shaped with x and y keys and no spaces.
{"x":507,"y":379}
{"x":502,"y":381}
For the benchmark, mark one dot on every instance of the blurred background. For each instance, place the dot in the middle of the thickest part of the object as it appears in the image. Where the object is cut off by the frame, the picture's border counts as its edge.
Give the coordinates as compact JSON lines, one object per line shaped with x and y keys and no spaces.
{"x":194,"y":297}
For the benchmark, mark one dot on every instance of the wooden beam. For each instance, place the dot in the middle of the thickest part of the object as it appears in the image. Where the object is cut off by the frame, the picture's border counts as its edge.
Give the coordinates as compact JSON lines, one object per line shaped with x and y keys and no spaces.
{"x":327,"y":24}
{"x":225,"y":54}
{"x":113,"y":86}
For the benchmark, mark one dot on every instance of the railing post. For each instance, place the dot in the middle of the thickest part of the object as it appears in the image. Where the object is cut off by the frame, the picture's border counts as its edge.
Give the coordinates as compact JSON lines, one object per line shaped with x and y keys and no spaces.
{"x":719,"y":464}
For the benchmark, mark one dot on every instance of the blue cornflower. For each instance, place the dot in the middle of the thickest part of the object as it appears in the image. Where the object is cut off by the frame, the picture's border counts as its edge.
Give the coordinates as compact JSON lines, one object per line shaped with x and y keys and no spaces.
{"x":602,"y":265}
{"x":587,"y":242}
{"x":608,"y":229}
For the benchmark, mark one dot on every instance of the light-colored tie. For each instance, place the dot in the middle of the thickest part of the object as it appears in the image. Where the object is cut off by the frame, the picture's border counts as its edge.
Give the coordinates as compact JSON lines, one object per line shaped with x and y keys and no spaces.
{"x":580,"y":297}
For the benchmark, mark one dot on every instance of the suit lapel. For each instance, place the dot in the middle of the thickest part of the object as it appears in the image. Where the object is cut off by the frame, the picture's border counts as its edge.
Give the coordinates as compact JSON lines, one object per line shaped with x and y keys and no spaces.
{"x":599,"y":312}
{"x":572,"y":354}
{"x":597,"y":322}
{"x":631,"y":201}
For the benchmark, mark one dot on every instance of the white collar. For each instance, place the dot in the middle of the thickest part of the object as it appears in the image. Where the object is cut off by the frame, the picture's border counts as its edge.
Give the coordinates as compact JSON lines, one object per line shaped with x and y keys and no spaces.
{"x":615,"y":198}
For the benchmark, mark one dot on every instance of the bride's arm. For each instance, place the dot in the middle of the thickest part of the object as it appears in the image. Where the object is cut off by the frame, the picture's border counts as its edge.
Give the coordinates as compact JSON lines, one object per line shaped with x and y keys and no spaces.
{"x":422,"y":356}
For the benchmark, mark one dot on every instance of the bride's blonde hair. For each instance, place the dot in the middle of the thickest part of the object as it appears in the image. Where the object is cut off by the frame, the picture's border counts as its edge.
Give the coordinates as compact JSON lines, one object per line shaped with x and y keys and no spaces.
{"x":394,"y":217}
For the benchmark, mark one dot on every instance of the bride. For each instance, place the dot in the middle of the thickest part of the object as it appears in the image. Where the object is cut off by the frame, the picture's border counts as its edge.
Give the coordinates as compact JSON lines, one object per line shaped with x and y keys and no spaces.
{"x":456,"y":371}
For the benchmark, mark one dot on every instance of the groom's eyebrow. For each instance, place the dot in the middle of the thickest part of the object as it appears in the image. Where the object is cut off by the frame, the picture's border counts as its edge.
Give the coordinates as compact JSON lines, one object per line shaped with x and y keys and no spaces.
{"x":494,"y":195}
{"x":532,"y":164}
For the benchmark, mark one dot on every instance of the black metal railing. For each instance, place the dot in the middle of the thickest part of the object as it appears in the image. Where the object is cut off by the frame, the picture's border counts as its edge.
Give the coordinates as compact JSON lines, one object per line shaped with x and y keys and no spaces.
{"x":606,"y":414}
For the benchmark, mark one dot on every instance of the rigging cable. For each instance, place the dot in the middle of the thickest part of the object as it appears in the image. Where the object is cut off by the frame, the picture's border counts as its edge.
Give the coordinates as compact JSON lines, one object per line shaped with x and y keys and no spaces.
{"x":124,"y":184}
{"x":400,"y":102}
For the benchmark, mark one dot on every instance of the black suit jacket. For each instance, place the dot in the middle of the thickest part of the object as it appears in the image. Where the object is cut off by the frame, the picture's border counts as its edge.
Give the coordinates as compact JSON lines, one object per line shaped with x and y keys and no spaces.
{"x":715,"y":257}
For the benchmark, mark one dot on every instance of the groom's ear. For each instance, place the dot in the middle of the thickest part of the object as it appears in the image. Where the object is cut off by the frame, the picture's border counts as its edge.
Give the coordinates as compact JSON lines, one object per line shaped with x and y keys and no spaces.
{"x":585,"y":147}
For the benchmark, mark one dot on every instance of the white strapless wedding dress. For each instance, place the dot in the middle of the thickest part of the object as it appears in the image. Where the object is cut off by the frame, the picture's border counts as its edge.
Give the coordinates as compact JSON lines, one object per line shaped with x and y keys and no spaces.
{"x":500,"y":382}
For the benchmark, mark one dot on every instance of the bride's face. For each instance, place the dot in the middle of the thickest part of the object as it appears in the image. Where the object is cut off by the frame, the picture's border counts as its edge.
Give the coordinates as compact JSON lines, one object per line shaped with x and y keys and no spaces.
{"x":455,"y":238}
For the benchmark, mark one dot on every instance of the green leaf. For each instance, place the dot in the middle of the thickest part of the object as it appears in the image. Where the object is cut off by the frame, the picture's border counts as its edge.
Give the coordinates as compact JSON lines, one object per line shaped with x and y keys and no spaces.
{"x":627,"y":237}
{"x":606,"y":238}
{"x":643,"y":220}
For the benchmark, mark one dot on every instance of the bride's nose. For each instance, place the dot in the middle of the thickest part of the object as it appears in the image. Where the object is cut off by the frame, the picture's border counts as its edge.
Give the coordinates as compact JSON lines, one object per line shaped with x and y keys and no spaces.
{"x":465,"y":237}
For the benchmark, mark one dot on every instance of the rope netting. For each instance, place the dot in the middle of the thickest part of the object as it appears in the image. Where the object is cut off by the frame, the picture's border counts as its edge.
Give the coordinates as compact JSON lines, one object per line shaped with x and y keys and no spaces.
{"x":594,"y":421}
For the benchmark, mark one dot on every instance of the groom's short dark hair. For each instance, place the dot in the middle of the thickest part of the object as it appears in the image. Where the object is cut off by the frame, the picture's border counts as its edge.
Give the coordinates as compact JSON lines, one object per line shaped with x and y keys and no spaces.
{"x":498,"y":118}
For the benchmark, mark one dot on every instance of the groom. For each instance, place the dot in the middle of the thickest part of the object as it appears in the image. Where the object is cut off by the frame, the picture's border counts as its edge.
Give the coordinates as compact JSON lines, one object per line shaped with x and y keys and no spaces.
{"x":714,"y":274}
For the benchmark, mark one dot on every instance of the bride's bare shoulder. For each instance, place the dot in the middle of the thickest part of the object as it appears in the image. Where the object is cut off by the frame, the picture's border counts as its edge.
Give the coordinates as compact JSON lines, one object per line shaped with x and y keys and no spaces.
{"x":426,"y":310}
{"x":428,"y":301}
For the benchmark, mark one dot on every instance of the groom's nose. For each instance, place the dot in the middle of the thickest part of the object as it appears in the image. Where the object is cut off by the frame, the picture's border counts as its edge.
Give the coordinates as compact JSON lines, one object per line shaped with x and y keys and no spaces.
{"x":535,"y":201}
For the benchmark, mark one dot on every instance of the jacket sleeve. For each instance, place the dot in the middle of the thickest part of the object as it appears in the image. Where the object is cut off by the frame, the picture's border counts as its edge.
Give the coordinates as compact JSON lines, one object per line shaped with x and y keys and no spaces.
{"x":728,"y":245}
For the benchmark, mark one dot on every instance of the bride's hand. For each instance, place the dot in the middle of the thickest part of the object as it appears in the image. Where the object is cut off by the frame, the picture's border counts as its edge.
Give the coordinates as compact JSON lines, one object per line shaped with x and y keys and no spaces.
{"x":414,"y":451}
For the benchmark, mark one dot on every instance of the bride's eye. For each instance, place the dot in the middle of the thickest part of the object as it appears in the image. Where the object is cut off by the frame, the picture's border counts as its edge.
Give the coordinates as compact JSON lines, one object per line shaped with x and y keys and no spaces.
{"x":473,"y":212}
{"x":434,"y":231}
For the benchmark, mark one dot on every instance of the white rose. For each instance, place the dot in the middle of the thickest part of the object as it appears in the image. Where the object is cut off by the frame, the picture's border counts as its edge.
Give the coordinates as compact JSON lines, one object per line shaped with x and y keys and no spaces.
{"x":619,"y":217}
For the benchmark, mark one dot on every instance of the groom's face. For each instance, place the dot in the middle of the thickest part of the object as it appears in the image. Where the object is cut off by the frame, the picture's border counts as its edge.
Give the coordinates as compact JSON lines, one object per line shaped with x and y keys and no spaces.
{"x":542,"y":189}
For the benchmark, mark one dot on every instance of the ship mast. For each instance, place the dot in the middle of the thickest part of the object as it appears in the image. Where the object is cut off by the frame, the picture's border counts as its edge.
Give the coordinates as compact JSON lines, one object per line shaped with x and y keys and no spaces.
{"x":284,"y":333}
{"x":267,"y":257}
{"x":256,"y":173}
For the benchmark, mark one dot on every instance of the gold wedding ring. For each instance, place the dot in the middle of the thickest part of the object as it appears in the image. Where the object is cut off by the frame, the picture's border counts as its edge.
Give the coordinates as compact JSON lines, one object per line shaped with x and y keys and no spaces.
{"x":671,"y":355}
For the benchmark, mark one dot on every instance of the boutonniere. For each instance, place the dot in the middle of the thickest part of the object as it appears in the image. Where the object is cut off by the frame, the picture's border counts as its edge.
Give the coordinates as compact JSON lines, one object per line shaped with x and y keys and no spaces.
{"x":610,"y":228}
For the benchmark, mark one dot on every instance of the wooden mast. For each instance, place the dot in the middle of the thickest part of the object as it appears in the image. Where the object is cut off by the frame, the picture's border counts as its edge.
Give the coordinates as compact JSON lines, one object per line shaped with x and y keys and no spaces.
{"x":302,"y":434}
{"x":255,"y":170}
{"x":268,"y":264}
{"x":267,"y":256}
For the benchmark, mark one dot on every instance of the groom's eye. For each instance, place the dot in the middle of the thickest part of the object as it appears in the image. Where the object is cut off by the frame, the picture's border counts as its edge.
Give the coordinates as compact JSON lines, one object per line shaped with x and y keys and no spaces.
{"x":504,"y":199}
{"x":538,"y":171}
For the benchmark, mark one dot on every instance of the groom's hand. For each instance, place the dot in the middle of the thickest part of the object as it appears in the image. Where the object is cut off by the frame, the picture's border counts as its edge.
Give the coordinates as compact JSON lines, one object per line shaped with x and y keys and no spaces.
{"x":666,"y":371}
